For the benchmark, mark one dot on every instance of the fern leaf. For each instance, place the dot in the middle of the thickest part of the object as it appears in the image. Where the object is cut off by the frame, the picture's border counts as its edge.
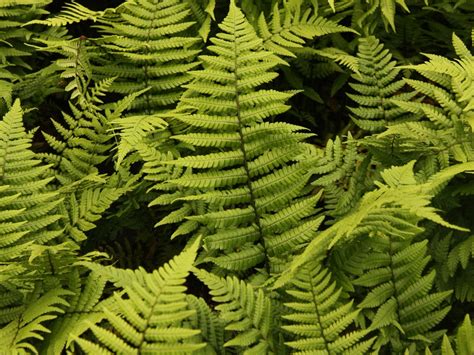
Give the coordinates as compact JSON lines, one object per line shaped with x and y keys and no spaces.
{"x":155,"y":315}
{"x":16,"y":335}
{"x":158,"y":36}
{"x":376,"y":85}
{"x":251,"y":168}
{"x":373,"y":211}
{"x":318,"y":318}
{"x":245,"y":311}
{"x":285,"y":33}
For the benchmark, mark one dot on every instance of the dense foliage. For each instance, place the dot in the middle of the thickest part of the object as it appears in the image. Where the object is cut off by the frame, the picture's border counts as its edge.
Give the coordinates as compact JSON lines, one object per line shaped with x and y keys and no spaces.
{"x":257,"y":177}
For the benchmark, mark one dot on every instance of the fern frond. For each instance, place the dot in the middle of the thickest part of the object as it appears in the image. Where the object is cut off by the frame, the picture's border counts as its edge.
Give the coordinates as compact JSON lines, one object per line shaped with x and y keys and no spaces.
{"x":382,"y":211}
{"x":343,"y":173}
{"x":82,"y":211}
{"x":133,"y":132}
{"x":17,"y":335}
{"x":15,"y":40}
{"x":84,"y":140}
{"x":70,"y":13}
{"x":159,"y":38}
{"x":28,"y":209}
{"x":290,"y":27}
{"x":453,"y":257}
{"x":84,"y":306}
{"x":400,"y":290}
{"x":319,"y":318}
{"x":245,"y":311}
{"x":155,"y":315}
{"x":447,"y":109}
{"x":248,"y":169}
{"x":212,"y":327}
{"x":376,"y":85}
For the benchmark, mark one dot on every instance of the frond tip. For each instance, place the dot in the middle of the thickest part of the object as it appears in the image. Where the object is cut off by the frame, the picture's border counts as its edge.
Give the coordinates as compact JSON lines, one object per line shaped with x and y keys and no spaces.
{"x":319,"y":318}
{"x":155,"y":316}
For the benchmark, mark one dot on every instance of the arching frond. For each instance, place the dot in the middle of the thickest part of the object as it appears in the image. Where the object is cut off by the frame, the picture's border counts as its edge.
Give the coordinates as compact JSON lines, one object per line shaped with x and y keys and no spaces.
{"x":449,"y":102}
{"x":382,"y":211}
{"x":290,"y":27}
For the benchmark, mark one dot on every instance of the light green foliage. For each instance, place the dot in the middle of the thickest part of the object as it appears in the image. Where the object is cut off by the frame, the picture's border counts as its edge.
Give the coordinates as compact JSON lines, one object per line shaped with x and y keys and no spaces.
{"x":400,"y":291}
{"x":247,"y":312}
{"x":71,"y":13}
{"x":154,"y":315}
{"x":13,"y":37}
{"x":382,"y":211}
{"x":29,"y":210}
{"x":247,"y":171}
{"x":83,"y":307}
{"x":151,"y":48}
{"x":448,"y":108}
{"x":170,"y":140}
{"x":319,"y":315}
{"x":85,"y":143}
{"x":376,"y":84}
{"x":16,"y":335}
{"x":290,"y":28}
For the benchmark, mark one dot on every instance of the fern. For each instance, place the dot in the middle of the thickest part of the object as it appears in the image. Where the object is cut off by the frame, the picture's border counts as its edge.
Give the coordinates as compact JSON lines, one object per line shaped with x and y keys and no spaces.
{"x":249,"y":171}
{"x":401,"y":292}
{"x":14,"y":38}
{"x":382,"y":211}
{"x":246,"y":311}
{"x":71,"y":13}
{"x":83,"y":306}
{"x":443,"y":133}
{"x":28,"y":209}
{"x":82,"y":212}
{"x":288,"y":29}
{"x":212,"y":327}
{"x":463,"y":340}
{"x":154,"y":317}
{"x":343,"y":173}
{"x":319,"y":315}
{"x":376,"y":84}
{"x":151,"y":48}
{"x":16,"y":336}
{"x":86,"y":144}
{"x":453,"y":257}
{"x":165,"y":118}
